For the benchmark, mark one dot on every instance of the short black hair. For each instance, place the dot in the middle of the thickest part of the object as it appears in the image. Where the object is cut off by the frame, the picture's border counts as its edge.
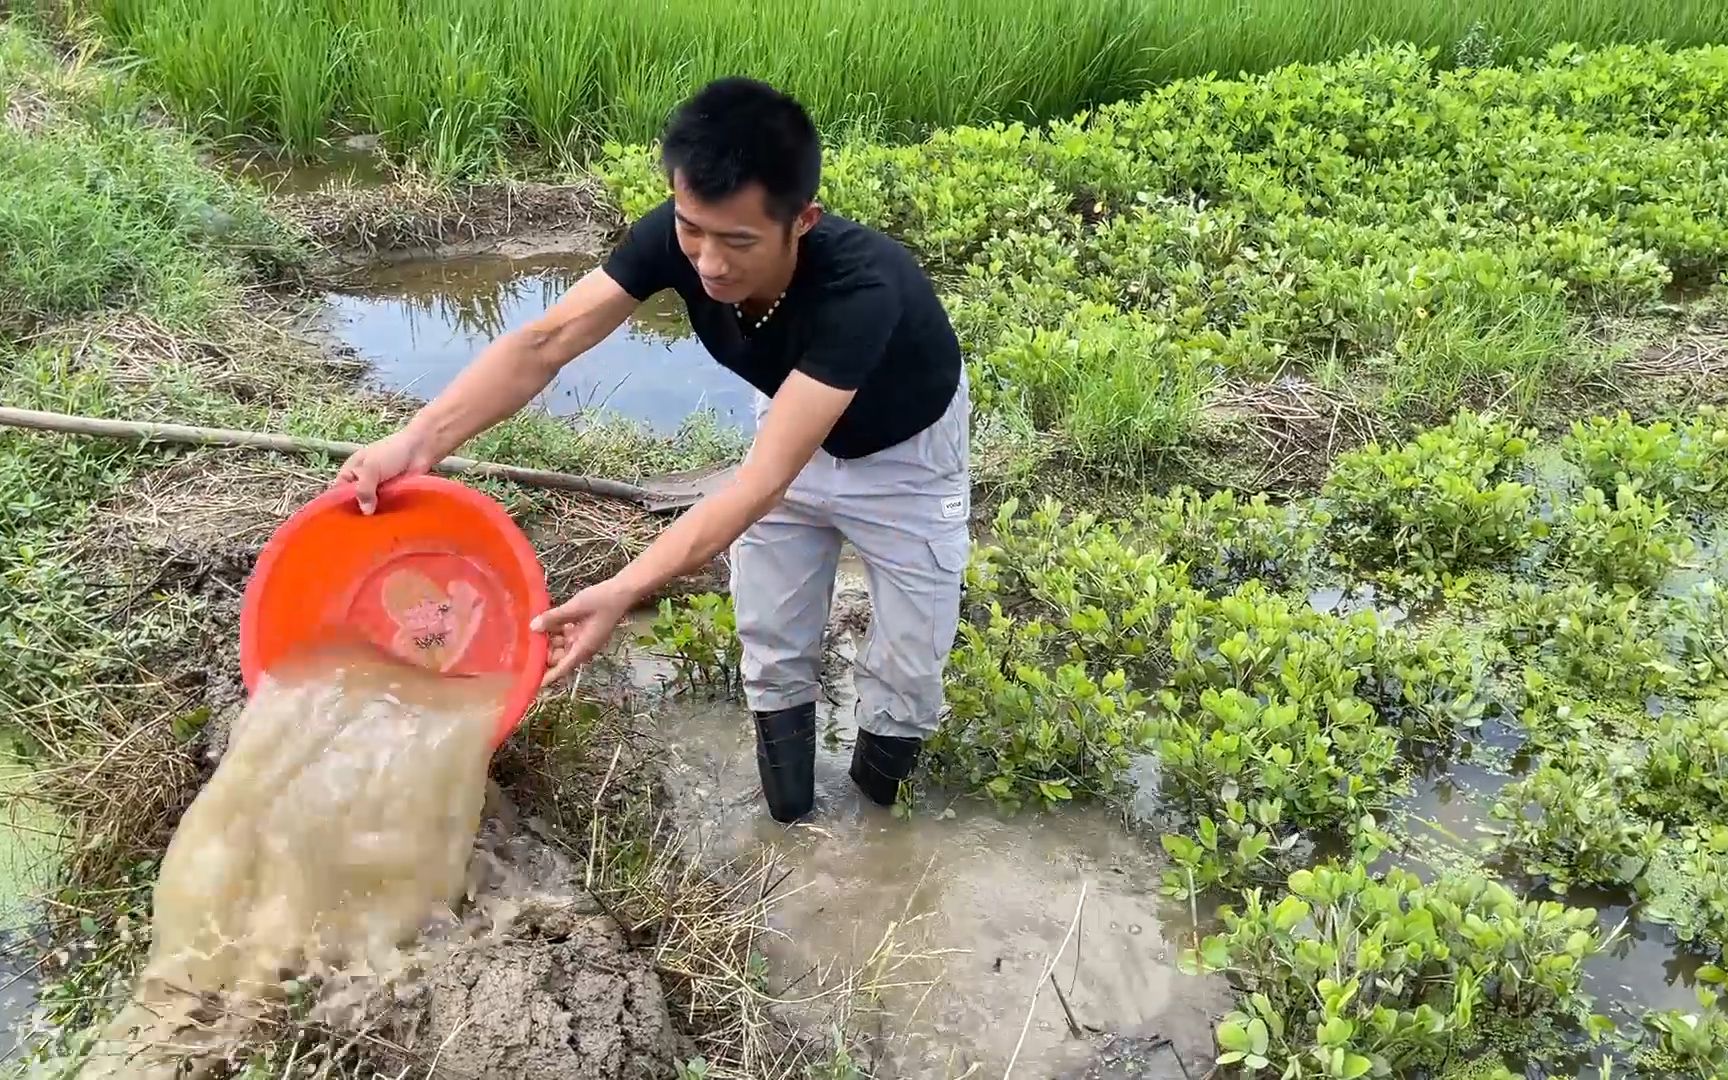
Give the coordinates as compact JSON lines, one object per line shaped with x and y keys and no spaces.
{"x":736,"y":131}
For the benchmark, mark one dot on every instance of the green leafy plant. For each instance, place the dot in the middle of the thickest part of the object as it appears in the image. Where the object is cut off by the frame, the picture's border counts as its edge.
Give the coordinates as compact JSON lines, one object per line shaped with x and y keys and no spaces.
{"x":1103,"y":597}
{"x":1634,"y":542}
{"x":1684,"y":774}
{"x":1442,"y":502}
{"x":1606,"y":642}
{"x":1569,"y":821}
{"x":1021,"y":733}
{"x":699,"y":635}
{"x":1693,"y":1043}
{"x":1350,"y":974}
{"x":1226,"y":541}
{"x":1686,"y":464}
{"x":1687,"y":888}
{"x":1242,"y":851}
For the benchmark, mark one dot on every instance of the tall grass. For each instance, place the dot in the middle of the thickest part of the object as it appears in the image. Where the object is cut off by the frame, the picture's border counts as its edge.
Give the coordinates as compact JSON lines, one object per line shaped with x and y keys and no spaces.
{"x":558,"y":74}
{"x":98,"y":209}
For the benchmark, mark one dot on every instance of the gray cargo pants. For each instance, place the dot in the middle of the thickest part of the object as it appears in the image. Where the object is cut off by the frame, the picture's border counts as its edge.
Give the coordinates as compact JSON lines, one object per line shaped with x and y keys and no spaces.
{"x":905,"y":511}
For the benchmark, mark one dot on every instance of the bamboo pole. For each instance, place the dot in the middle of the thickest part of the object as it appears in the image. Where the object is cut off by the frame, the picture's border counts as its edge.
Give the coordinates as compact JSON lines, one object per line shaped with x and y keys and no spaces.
{"x":136,"y":431}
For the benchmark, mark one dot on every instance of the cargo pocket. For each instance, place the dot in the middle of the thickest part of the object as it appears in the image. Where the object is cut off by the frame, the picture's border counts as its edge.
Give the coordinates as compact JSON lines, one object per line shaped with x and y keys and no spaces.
{"x":951,"y":553}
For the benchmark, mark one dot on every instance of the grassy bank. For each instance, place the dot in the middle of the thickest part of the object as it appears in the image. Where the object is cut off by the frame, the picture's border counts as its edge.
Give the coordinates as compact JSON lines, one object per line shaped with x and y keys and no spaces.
{"x":1364,"y":245}
{"x":136,"y":283}
{"x":457,"y":82}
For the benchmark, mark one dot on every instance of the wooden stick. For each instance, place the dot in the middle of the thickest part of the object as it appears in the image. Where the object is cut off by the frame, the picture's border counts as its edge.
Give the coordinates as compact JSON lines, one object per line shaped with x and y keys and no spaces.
{"x":1073,"y":1024}
{"x":288,"y":444}
{"x":1049,"y":969}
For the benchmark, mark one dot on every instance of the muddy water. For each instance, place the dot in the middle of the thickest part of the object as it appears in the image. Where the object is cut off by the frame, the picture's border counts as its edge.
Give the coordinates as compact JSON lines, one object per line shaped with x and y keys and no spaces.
{"x":338,"y":825}
{"x":983,"y":901}
{"x":421,"y":322}
{"x":340,"y":166}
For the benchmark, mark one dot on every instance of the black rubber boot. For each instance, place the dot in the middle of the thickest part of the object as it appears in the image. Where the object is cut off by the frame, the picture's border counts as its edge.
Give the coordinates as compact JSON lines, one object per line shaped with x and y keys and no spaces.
{"x":881,"y":762}
{"x":786,"y":760}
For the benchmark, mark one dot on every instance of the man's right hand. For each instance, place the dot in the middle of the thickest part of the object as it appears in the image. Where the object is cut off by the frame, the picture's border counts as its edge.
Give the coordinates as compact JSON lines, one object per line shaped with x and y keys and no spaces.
{"x":403,"y":454}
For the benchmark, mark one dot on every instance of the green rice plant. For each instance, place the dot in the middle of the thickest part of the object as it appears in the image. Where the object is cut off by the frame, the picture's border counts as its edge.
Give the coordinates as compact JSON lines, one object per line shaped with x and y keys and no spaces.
{"x":892,"y":66}
{"x":1471,"y":351}
{"x":1118,"y":391}
{"x":1444,"y":501}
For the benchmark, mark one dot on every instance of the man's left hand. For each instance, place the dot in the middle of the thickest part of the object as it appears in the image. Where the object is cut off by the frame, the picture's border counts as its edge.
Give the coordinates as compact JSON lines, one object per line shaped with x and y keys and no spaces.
{"x":580,"y":627}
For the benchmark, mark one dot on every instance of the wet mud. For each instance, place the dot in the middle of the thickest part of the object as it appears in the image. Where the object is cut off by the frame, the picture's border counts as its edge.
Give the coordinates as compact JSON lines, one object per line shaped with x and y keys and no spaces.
{"x":337,"y":851}
{"x":978,"y":902}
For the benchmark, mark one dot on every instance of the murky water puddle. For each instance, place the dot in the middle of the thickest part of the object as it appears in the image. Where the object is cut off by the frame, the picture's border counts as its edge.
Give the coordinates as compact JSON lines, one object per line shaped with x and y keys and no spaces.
{"x":984,"y":900}
{"x":421,"y":322}
{"x":340,"y":166}
{"x":991,"y":897}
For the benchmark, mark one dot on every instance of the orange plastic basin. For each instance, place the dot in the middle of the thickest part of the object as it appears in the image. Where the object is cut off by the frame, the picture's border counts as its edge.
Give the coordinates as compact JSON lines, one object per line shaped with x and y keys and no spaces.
{"x":438,"y":575}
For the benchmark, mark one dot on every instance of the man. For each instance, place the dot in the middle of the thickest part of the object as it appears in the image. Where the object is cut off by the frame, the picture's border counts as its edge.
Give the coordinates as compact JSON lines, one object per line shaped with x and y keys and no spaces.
{"x":862,"y":433}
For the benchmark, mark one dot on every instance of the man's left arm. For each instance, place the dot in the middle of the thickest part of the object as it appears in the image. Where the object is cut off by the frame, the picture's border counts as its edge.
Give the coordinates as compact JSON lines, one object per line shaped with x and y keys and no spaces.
{"x":851,"y":333}
{"x":799,"y":418}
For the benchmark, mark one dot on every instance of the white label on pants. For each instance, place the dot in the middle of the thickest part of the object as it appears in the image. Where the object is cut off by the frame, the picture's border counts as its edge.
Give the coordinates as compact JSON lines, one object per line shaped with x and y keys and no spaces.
{"x":953,"y":507}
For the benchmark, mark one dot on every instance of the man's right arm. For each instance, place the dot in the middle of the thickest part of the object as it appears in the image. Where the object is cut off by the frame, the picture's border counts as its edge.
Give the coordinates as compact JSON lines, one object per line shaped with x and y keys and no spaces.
{"x":505,"y":376}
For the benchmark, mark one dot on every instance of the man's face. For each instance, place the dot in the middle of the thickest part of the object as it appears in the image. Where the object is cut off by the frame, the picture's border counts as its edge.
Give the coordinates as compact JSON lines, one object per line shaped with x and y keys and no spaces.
{"x":737,"y":247}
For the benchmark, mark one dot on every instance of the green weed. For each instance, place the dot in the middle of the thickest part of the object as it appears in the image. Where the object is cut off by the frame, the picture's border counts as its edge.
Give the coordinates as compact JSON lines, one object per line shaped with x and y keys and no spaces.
{"x":1445,"y":501}
{"x":99,"y":210}
{"x":1606,"y":643}
{"x":1686,"y":464}
{"x":1693,"y":1043}
{"x":1225,"y":540}
{"x":1567,"y":821}
{"x":1350,"y":974}
{"x":1634,"y":542}
{"x":1418,"y":238}
{"x":699,"y":635}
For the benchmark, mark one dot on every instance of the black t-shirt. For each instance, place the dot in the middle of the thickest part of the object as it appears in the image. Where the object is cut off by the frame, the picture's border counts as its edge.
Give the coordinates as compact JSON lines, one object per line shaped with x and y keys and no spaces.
{"x":859,"y":314}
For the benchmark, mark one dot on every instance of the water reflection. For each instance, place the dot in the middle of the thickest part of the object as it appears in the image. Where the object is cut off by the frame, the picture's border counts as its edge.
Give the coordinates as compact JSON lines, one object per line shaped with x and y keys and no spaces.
{"x":421,"y":322}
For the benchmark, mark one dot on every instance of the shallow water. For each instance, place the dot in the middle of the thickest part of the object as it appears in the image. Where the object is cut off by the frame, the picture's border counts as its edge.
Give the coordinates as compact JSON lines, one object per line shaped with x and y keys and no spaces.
{"x":421,"y":322}
{"x":1645,"y":968}
{"x":29,"y":843}
{"x":983,"y":899}
{"x":340,"y":166}
{"x":338,"y":825}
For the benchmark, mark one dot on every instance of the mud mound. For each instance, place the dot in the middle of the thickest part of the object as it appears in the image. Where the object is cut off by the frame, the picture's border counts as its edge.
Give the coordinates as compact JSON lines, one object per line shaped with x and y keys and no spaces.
{"x":559,"y":995}
{"x":546,"y":986}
